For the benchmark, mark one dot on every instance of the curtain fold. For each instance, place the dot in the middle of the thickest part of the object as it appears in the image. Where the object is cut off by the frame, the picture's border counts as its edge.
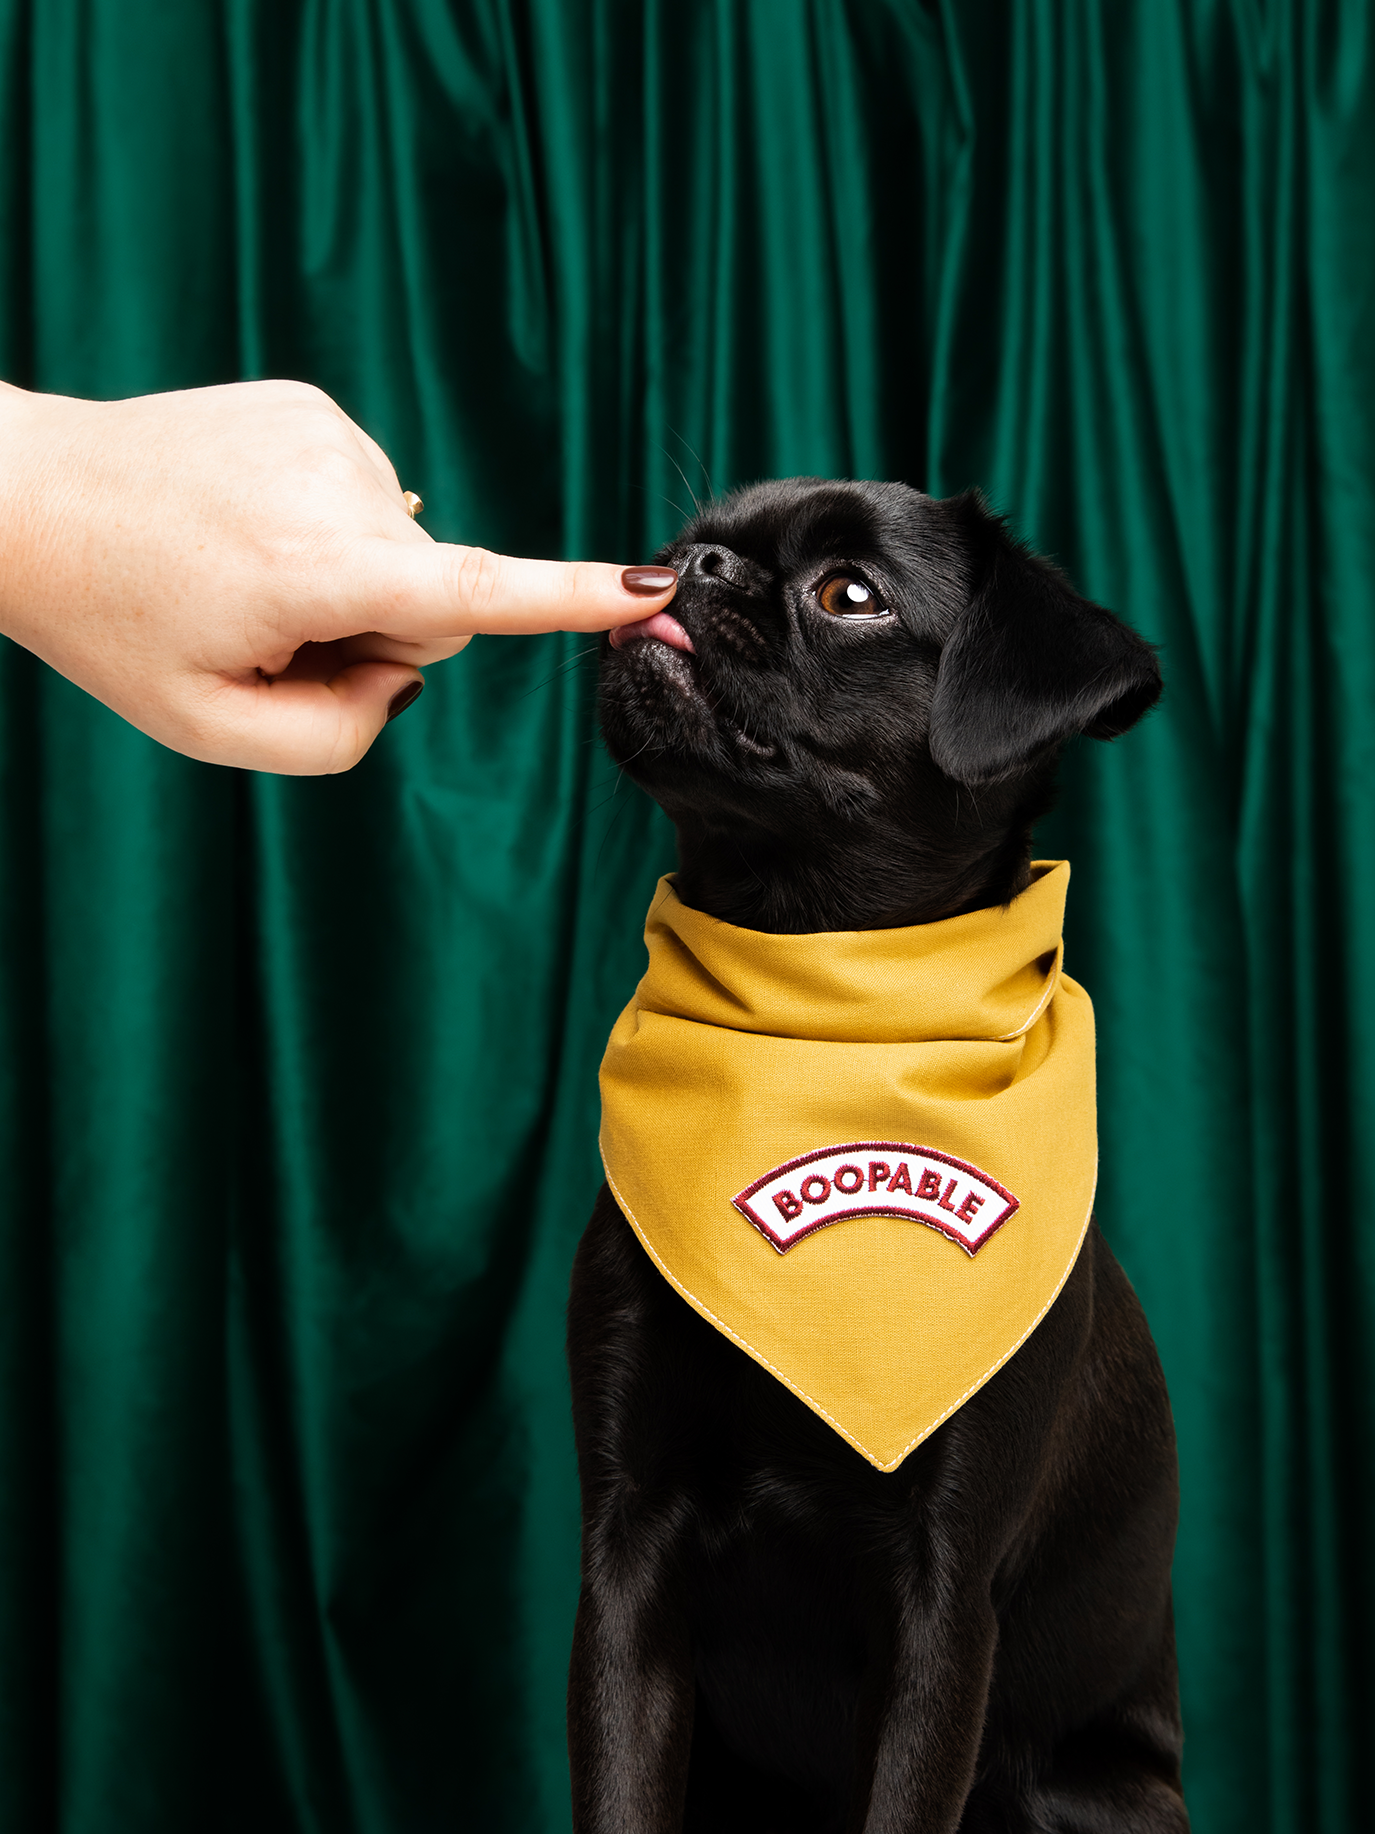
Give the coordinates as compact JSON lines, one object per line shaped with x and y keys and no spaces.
{"x":297,"y":1078}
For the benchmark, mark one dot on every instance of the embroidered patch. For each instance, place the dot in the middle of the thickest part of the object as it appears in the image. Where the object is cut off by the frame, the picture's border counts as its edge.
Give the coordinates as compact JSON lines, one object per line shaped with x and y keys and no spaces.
{"x":876,"y":1178}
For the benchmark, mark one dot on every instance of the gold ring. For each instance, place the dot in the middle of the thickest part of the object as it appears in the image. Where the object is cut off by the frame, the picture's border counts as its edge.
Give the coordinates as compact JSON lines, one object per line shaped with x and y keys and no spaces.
{"x":413,"y":504}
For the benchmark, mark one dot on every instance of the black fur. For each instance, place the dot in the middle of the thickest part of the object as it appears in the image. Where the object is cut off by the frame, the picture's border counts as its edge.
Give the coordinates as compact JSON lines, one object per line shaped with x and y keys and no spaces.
{"x":772,"y":1634}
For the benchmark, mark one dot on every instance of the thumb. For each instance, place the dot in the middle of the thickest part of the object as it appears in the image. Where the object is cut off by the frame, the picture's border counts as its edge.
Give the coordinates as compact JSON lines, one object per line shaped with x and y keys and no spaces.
{"x":435,"y":589}
{"x":298,"y":728}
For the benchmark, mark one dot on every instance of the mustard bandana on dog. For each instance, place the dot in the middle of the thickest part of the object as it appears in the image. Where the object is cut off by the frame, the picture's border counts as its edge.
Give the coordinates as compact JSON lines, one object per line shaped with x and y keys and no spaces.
{"x":868,"y":1157}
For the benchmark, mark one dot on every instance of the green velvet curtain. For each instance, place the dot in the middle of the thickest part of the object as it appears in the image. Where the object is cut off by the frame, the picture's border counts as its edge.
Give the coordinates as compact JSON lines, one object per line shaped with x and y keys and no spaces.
{"x":299,"y":1077}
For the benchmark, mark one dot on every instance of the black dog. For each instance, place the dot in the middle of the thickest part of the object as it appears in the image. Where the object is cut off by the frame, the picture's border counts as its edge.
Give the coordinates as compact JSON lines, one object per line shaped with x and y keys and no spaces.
{"x":854,"y":719}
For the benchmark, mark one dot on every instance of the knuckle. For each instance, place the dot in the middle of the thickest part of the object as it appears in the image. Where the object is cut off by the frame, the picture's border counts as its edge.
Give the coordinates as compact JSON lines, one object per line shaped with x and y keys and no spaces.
{"x":328,"y":468}
{"x":284,"y":391}
{"x":476,"y":578}
{"x":344,"y":753}
{"x":308,"y":393}
{"x":324,"y":491}
{"x":380,"y":459}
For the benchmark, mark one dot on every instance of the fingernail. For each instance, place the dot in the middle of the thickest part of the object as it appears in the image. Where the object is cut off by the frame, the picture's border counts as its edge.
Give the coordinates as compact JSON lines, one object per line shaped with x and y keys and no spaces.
{"x":648,"y":582}
{"x":403,"y":698}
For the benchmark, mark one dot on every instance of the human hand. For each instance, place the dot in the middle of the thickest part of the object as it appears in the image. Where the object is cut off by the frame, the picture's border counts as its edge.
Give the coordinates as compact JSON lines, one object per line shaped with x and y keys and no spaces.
{"x":234,"y":571}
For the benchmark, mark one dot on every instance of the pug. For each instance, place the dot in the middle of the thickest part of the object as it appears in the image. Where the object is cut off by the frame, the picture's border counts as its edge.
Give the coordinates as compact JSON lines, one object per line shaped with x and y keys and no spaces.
{"x":853,"y":713}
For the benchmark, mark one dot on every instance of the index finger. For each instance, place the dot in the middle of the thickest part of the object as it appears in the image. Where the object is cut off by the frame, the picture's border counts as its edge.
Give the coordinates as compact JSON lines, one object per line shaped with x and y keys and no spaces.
{"x":437,"y":589}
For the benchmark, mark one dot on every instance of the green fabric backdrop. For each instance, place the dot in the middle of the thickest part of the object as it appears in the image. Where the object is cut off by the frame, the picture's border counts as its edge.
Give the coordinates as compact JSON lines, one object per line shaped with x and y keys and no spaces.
{"x":299,"y":1102}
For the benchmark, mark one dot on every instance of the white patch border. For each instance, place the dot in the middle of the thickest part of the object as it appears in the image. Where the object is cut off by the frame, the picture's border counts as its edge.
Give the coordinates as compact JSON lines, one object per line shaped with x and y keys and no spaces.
{"x":912,"y":1214}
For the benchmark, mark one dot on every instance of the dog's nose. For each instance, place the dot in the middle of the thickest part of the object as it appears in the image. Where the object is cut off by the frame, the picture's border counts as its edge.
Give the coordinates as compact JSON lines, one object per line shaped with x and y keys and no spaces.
{"x":712,"y":561}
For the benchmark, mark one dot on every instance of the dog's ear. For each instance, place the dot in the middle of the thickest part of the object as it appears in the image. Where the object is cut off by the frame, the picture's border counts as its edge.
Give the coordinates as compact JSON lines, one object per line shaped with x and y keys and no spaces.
{"x":1029,"y":663}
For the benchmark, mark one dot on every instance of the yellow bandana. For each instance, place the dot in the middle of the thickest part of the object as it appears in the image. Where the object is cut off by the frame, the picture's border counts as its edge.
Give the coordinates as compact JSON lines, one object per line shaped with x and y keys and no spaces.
{"x":868,"y":1157}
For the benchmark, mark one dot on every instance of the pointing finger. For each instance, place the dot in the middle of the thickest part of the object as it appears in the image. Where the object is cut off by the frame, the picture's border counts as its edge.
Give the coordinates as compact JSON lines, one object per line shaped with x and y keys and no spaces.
{"x":434,"y":589}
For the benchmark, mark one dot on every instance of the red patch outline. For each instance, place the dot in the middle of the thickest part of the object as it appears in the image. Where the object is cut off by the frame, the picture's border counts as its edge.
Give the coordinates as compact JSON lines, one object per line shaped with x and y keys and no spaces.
{"x":752,"y":1216}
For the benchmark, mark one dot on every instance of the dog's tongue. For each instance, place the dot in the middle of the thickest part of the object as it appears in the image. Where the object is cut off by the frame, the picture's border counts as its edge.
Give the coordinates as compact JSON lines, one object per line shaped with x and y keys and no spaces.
{"x":667,"y":629}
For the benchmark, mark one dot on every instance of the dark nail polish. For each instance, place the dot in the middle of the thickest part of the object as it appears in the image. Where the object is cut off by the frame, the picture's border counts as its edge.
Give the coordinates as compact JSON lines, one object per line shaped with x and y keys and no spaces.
{"x":648,"y":582}
{"x":403,"y":698}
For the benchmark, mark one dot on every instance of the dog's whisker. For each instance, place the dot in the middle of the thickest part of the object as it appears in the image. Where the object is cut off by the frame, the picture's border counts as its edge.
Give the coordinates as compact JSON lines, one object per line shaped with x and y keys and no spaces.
{"x":697,"y":457}
{"x":697,"y":507}
{"x":635,"y":754}
{"x":672,"y":503}
{"x":569,"y":662}
{"x":607,"y":834}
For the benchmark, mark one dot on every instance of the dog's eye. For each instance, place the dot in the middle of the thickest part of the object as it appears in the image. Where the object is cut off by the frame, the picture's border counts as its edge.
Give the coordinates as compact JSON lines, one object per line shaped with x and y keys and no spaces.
{"x":845,"y":595}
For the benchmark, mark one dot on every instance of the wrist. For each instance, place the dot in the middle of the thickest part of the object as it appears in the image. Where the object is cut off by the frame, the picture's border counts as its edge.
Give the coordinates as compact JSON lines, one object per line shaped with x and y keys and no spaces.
{"x":32,"y":428}
{"x":16,"y":437}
